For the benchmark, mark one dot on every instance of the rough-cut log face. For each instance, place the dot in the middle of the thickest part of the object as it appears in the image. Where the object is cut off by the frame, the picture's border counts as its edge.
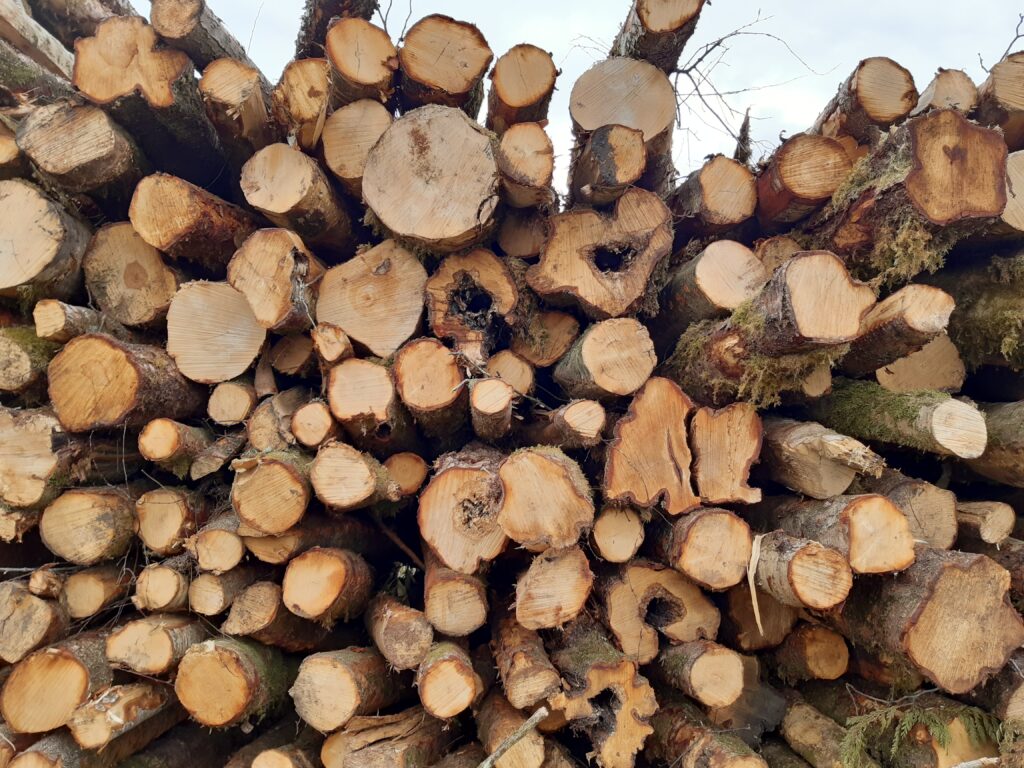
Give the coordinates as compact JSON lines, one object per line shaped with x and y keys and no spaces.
{"x":884,"y":89}
{"x":44,"y":690}
{"x":126,"y":276}
{"x":409,"y":470}
{"x":711,"y":546}
{"x":959,"y":168}
{"x":154,"y":644}
{"x":521,"y":84}
{"x":613,"y":358}
{"x":218,"y":681}
{"x":802,"y":175}
{"x":28,"y":455}
{"x":88,"y":526}
{"x":176,"y":19}
{"x":949,"y":89}
{"x":421,"y":190}
{"x":546,"y":499}
{"x":376,"y":297}
{"x":621,"y":91}
{"x":212,"y":333}
{"x":808,"y":281}
{"x":349,"y":135}
{"x":618,"y":533}
{"x":613,"y":159}
{"x":123,"y":58}
{"x":274,"y":271}
{"x":300,"y":99}
{"x":642,"y":469}
{"x":237,"y":105}
{"x":35,"y":232}
{"x":1001,"y":99}
{"x":602,"y":262}
{"x":445,"y":55}
{"x":165,"y":518}
{"x":526,"y":159}
{"x":364,"y":60}
{"x":554,"y":588}
{"x":726,"y":192}
{"x":545,"y":338}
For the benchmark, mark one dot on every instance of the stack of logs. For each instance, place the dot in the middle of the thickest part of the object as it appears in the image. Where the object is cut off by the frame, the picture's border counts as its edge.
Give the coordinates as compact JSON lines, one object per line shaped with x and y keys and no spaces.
{"x":333,"y":435}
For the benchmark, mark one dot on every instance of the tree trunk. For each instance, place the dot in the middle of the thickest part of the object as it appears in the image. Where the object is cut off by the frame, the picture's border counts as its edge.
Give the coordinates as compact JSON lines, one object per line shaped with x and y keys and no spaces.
{"x":27,"y":81}
{"x":304,"y":752}
{"x":657,"y":33}
{"x":1010,"y":555}
{"x":545,"y":338}
{"x":1001,"y":460}
{"x":213,"y":459}
{"x":758,"y":710}
{"x":611,"y":161}
{"x":271,"y":491}
{"x":168,"y":516}
{"x":324,"y":584}
{"x":139,"y":712}
{"x":717,"y":197}
{"x":19,"y":29}
{"x":364,"y":400}
{"x":554,"y":589}
{"x":950,"y":88}
{"x":348,"y":531}
{"x":313,"y":425}
{"x":29,"y":622}
{"x":937,"y":365}
{"x":802,"y":573}
{"x":334,"y":686}
{"x":89,"y":525}
{"x":59,"y":322}
{"x":497,"y":720}
{"x":191,"y":26}
{"x":930,"y":510}
{"x":318,"y":14}
{"x":682,"y":612}
{"x":443,"y":61}
{"x":709,"y":545}
{"x":815,"y":737}
{"x":778,"y":755}
{"x":580,"y":424}
{"x":454,"y":603}
{"x":363,"y":61}
{"x":490,"y":406}
{"x":401,"y":633}
{"x":522,"y":83}
{"x":173,"y":445}
{"x":154,"y":645}
{"x":680,"y":731}
{"x":446,"y":681}
{"x":24,"y":358}
{"x":1003,"y":694}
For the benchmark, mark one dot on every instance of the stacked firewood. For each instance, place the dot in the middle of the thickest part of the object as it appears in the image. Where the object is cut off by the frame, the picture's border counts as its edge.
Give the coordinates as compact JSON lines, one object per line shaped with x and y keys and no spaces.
{"x":332,"y":434}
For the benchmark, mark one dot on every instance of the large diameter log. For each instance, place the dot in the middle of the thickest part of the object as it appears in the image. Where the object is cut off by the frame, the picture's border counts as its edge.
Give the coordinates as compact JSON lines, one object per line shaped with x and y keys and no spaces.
{"x":154,"y":645}
{"x":334,"y":686}
{"x":349,"y":135}
{"x":802,"y":573}
{"x":612,"y":160}
{"x":300,"y":100}
{"x":192,"y":26}
{"x":43,"y":245}
{"x":152,"y":92}
{"x":522,"y":82}
{"x":642,"y":470}
{"x":224,"y":681}
{"x":554,"y":589}
{"x":876,"y":95}
{"x":426,"y":195}
{"x":89,"y":525}
{"x":999,"y":100}
{"x":69,"y":672}
{"x":187,"y":222}
{"x":927,"y":421}
{"x":711,"y":546}
{"x":929,"y":199}
{"x":800,"y":178}
{"x":636,"y":94}
{"x":443,"y":61}
{"x":407,"y":739}
{"x":949,"y":589}
{"x":657,"y":32}
{"x":1001,"y":460}
{"x":601,"y":262}
{"x":105,"y":165}
{"x":717,"y":197}
{"x":29,"y":622}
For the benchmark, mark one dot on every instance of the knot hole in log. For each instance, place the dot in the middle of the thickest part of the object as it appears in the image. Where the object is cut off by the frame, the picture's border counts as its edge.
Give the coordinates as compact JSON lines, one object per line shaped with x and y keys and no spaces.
{"x":614,"y":257}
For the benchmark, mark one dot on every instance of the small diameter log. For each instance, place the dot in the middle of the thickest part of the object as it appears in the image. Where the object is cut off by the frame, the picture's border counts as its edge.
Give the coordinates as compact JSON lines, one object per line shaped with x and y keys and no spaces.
{"x":349,"y":134}
{"x":408,"y":739}
{"x":70,"y":672}
{"x":225,"y":681}
{"x":105,"y":164}
{"x":301,"y":753}
{"x":554,"y":589}
{"x":236,"y":98}
{"x":277,"y":275}
{"x":443,"y":61}
{"x":431,"y":383}
{"x":345,"y":479}
{"x":930,"y":510}
{"x":726,"y":443}
{"x":345,"y":532}
{"x":363,"y":61}
{"x":682,"y":614}
{"x":927,"y":198}
{"x":127,"y":277}
{"x":545,"y":338}
{"x":773,"y":251}
{"x":490,"y":408}
{"x":876,"y":95}
{"x":259,"y":613}
{"x":154,"y":645}
{"x":334,"y":686}
{"x":201,"y":316}
{"x":446,"y":681}
{"x":711,"y":546}
{"x":635,"y":94}
{"x":580,"y":424}
{"x":49,"y":240}
{"x":217,"y":547}
{"x":990,"y":522}
{"x":29,"y":622}
{"x":312,"y":424}
{"x":13,"y":162}
{"x":424,"y":194}
{"x":289,"y":188}
{"x":681,"y":731}
{"x":1001,"y":458}
{"x":527,"y":675}
{"x":317,"y":16}
{"x":138,"y":709}
{"x":813,"y":460}
{"x":802,"y":573}
{"x":459,"y":509}
{"x":496,"y":721}
{"x":968,"y":591}
{"x":950,"y":88}
{"x":326,"y":584}
{"x":46,"y":582}
{"x":271,"y":491}
{"x":376,"y":297}
{"x":800,"y":178}
{"x":617,"y":534}
{"x":927,"y":421}
{"x":15,"y":523}
{"x":331,"y":345}
{"x":89,"y":591}
{"x":999,"y":102}
{"x":740,"y":628}
{"x":1003,"y":693}
{"x":546,"y":500}
{"x":216,"y":457}
{"x":164,"y":586}
{"x":153,"y":95}
{"x":401,"y":633}
{"x":454,"y":603}
{"x":363,"y":399}
{"x":173,"y":445}
{"x":409,"y":470}
{"x":292,"y":355}
{"x":772,"y":343}
{"x":643,"y":470}
{"x":604,"y":693}
{"x":521,"y":233}
{"x":703,"y":670}
{"x":898,"y":326}
{"x":717,"y":197}
{"x":657,"y":32}
{"x":277,"y":735}
{"x":612,"y":160}
{"x":811,"y":652}
{"x":300,"y":100}
{"x":268,"y":426}
{"x":522,"y":82}
{"x":601,"y":262}
{"x":14,"y":743}
{"x":210,"y":594}
{"x":26,"y":80}
{"x":470,"y":298}
{"x":88,"y":525}
{"x":526,"y":160}
{"x":937,"y":366}
{"x":815,"y":737}
{"x":612,"y":358}
{"x":24,"y":358}
{"x":231,"y":402}
{"x":60,"y":322}
{"x":187,"y":222}
{"x":712,"y":284}
{"x":869,"y":529}
{"x":191,"y":26}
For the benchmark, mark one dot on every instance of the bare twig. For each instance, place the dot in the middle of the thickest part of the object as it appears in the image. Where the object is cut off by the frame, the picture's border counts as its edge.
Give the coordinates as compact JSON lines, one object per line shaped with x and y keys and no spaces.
{"x":1018,"y":34}
{"x":513,"y":738}
{"x":394,"y":539}
{"x":979,"y":763}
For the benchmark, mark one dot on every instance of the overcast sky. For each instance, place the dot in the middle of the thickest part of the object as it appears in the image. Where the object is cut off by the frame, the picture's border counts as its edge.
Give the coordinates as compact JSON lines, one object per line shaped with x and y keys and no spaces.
{"x":829,"y":36}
